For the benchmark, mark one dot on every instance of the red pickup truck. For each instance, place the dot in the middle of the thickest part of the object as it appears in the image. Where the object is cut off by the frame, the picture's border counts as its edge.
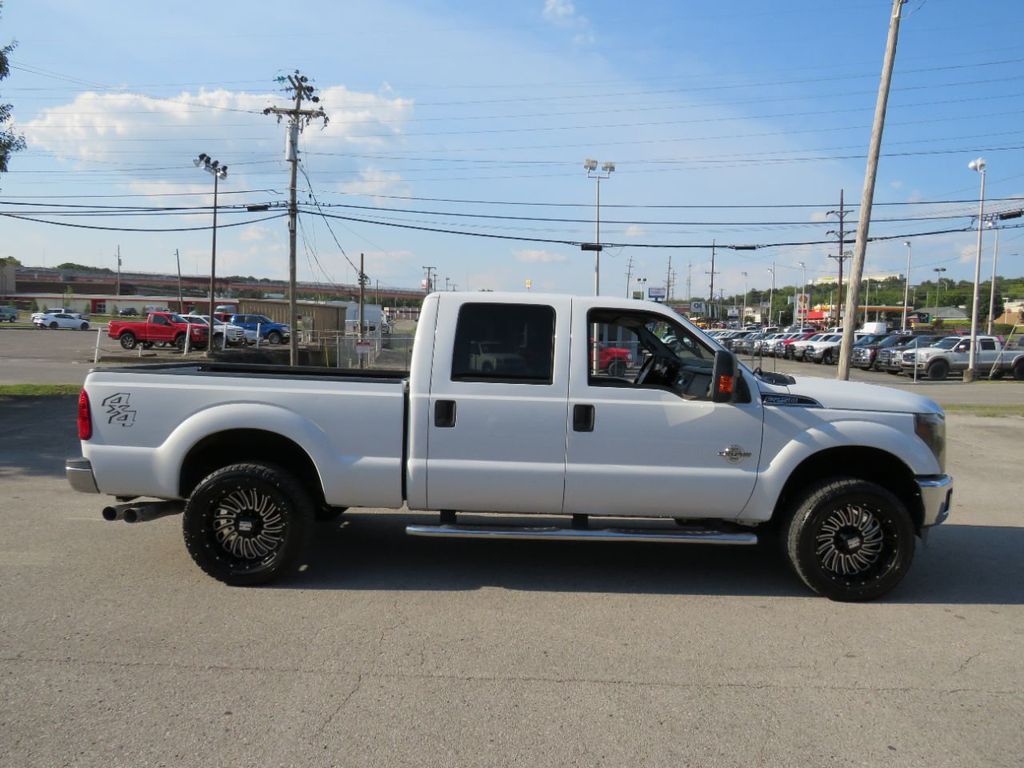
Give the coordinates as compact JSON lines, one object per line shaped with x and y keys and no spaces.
{"x":157,"y":328}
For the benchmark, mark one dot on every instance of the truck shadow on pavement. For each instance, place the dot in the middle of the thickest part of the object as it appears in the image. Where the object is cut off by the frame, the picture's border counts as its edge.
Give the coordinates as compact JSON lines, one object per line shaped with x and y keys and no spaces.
{"x":36,"y":435}
{"x":961,"y":564}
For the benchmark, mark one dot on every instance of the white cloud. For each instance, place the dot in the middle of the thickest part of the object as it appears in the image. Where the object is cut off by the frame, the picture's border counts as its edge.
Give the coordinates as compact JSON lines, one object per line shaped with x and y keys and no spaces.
{"x":108,"y":127}
{"x":819,"y":216}
{"x":635,"y":230}
{"x":562,"y":13}
{"x":536,"y":256}
{"x":374,"y":182}
{"x":558,"y":10}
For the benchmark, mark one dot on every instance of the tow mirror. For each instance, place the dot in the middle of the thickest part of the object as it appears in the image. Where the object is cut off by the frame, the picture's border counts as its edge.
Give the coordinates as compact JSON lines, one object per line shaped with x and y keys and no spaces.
{"x":723,"y":377}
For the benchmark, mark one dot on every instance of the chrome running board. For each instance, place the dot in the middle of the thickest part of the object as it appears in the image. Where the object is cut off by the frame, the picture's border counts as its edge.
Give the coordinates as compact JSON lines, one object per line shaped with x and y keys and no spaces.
{"x":683,"y":536}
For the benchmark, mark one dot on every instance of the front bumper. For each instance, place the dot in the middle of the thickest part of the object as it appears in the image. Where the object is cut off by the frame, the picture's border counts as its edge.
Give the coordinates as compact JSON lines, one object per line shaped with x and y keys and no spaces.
{"x":80,"y":476}
{"x":936,"y":498}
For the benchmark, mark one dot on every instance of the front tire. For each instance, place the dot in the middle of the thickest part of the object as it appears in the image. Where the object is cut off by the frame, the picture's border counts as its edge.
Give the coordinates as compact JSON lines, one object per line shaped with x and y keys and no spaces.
{"x":246,"y":524}
{"x":179,"y":342}
{"x":275,"y":338}
{"x":827,"y":357}
{"x":938,"y":370}
{"x":617,"y":368}
{"x":849,"y":540}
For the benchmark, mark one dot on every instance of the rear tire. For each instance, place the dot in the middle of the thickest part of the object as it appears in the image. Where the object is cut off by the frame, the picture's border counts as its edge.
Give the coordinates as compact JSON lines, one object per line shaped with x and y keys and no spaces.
{"x":849,"y":540}
{"x":827,"y":357}
{"x":246,"y":524}
{"x":179,"y":342}
{"x":128,"y":340}
{"x":1018,"y":370}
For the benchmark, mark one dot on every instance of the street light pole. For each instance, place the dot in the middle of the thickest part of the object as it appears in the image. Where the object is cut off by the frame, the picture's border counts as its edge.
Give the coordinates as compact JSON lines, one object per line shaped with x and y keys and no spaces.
{"x":771,"y":293}
{"x":992,"y":285}
{"x":803,"y":289}
{"x":938,"y":285}
{"x":743,"y":309}
{"x":219,"y":172}
{"x":906,"y":286}
{"x":592,"y":173}
{"x":971,"y":373}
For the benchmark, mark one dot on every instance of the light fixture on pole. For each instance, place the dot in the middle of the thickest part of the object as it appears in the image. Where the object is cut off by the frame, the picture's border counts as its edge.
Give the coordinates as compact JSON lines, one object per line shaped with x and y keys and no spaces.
{"x":977,"y":165}
{"x":938,"y":284}
{"x":592,"y":173}
{"x":906,"y":286}
{"x":641,"y":284}
{"x":219,"y":172}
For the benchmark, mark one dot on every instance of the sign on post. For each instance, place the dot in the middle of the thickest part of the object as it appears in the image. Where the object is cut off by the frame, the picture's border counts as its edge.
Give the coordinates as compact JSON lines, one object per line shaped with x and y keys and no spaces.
{"x":656,"y":294}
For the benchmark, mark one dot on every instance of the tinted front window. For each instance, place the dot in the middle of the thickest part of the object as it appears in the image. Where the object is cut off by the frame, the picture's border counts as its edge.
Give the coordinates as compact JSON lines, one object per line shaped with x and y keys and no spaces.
{"x":512,"y":343}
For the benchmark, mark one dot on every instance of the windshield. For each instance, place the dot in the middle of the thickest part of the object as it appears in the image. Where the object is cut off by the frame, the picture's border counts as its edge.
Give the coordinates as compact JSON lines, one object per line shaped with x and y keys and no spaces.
{"x":947,"y":343}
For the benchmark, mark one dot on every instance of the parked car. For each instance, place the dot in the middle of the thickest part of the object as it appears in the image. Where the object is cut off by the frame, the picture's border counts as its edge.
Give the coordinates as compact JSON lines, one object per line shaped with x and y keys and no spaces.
{"x":889,"y":359}
{"x":613,"y":360}
{"x":797,"y":348}
{"x":8,"y":314}
{"x":128,"y":312}
{"x":268,"y":330}
{"x":784,"y":348}
{"x":952,"y":354}
{"x":222,"y":332}
{"x":56,"y":320}
{"x":56,"y":311}
{"x":865,"y":355}
{"x":157,"y":328}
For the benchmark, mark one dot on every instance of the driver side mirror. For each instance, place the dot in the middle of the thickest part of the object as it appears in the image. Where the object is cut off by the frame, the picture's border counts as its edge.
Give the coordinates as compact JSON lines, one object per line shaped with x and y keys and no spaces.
{"x":723,"y":377}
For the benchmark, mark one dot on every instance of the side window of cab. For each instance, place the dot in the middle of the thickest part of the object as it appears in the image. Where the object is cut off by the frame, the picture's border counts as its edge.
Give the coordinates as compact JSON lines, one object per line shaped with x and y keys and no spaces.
{"x":509,"y":343}
{"x":643,"y":350}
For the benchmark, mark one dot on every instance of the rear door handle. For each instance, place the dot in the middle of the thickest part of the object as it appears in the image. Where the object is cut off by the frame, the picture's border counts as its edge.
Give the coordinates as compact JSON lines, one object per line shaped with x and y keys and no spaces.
{"x":583,"y":418}
{"x":444,"y":413}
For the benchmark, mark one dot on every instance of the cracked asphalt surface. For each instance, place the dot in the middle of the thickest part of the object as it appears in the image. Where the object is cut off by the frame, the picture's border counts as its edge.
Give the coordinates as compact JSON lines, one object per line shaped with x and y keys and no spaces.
{"x":115,"y":650}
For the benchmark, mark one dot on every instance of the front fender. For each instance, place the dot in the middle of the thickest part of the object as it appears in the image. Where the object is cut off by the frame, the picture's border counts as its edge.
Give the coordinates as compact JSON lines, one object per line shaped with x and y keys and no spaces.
{"x":793,"y":435}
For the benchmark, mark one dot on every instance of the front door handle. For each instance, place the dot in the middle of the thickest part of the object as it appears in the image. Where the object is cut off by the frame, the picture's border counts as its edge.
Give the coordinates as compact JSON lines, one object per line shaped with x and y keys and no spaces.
{"x":583,"y":418}
{"x":444,"y":413}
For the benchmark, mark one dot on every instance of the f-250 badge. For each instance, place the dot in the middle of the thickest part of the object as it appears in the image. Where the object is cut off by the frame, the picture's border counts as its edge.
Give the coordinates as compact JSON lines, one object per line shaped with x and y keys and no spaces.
{"x":118,"y":410}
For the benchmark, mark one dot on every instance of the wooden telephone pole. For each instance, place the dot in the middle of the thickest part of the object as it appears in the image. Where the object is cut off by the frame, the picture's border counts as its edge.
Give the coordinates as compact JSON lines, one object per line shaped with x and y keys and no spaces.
{"x":298,"y":85}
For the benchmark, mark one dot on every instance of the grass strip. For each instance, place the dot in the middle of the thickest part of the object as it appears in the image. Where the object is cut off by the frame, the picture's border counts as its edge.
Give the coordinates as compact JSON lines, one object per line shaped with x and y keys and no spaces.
{"x":39,"y":390}
{"x":1015,"y":409}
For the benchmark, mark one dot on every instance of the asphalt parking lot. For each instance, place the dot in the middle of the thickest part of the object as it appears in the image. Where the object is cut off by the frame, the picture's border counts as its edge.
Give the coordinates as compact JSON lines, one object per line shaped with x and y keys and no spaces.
{"x":116,"y":651}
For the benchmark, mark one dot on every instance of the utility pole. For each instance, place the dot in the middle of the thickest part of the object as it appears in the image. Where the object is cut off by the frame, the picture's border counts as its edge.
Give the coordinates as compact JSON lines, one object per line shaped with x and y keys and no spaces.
{"x":362,"y":314}
{"x":629,"y":273}
{"x":743,"y":309}
{"x":181,"y":307}
{"x":297,"y":116}
{"x":430,"y":280}
{"x":864,"y":219}
{"x":771,"y":294}
{"x":992,"y":285}
{"x":689,"y":280}
{"x":841,"y":257}
{"x":711,"y":294}
{"x":119,"y":270}
{"x":668,"y":279}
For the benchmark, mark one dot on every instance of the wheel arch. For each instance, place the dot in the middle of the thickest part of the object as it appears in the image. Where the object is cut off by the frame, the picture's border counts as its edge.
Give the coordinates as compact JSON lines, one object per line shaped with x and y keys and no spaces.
{"x":862,"y":462}
{"x":242,"y":446}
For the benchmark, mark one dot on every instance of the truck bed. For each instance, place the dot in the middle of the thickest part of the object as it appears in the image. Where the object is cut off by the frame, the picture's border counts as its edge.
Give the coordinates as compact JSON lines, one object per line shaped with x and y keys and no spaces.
{"x":149,"y":419}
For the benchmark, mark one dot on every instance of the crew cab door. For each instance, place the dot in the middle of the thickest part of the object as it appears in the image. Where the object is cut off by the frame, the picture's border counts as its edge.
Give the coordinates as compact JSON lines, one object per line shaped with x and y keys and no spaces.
{"x":496,"y":429}
{"x":651,"y":442}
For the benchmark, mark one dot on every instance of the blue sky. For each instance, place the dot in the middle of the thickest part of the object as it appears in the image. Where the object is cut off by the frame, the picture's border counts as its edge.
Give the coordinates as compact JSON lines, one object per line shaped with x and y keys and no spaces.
{"x":465,"y":116}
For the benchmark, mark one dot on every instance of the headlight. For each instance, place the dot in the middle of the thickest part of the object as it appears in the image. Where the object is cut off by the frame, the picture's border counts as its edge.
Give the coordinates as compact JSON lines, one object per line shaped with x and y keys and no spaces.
{"x":931,"y":428}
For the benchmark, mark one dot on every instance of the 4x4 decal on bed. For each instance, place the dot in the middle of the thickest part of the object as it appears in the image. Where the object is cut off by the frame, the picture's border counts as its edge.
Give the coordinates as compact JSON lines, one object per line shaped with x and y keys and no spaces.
{"x":118,"y":410}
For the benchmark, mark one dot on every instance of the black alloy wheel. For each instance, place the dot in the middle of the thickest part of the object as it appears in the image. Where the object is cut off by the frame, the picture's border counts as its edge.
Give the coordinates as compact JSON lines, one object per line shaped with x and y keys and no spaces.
{"x":245,"y":524}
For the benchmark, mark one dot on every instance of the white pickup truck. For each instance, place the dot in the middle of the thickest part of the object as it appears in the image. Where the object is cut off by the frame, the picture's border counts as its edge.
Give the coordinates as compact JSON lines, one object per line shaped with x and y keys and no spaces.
{"x":684,"y":445}
{"x":953,"y":353}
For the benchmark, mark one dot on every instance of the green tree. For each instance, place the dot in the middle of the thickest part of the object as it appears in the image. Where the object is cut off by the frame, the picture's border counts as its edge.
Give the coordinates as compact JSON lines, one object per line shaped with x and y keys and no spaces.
{"x":10,"y":142}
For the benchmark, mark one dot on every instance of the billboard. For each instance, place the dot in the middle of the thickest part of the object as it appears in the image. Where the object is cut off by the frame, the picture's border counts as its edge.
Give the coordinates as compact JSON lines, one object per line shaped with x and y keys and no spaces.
{"x":698,"y":308}
{"x":657,"y":294}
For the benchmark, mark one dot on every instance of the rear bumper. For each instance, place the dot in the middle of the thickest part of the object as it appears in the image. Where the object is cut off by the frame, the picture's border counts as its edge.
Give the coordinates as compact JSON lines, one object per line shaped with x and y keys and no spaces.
{"x":936,"y":498}
{"x":80,"y":476}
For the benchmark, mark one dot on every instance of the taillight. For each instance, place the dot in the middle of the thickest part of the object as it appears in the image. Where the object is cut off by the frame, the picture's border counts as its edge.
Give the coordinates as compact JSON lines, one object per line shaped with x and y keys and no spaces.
{"x":84,"y":417}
